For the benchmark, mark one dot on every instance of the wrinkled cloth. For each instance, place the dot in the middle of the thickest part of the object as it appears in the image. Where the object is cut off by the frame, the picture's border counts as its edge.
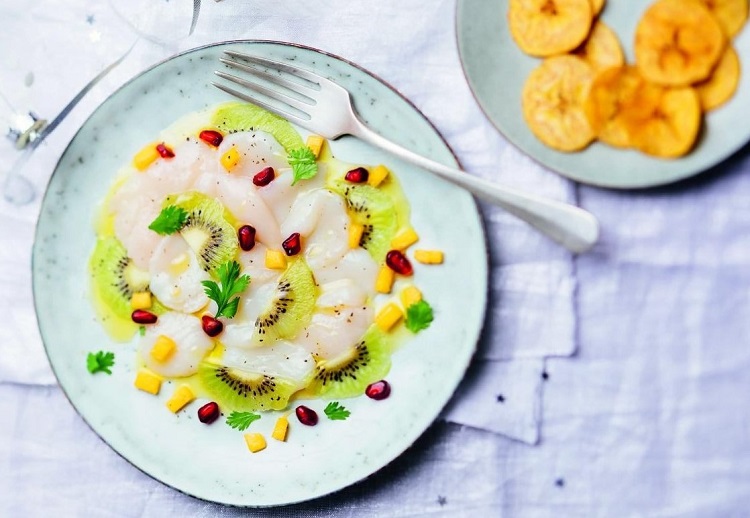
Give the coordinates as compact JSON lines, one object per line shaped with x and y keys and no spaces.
{"x":647,"y":418}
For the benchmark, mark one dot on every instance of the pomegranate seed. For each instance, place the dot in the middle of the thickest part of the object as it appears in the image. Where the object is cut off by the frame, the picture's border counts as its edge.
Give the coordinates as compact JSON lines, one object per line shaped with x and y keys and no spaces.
{"x":211,"y":326}
{"x":211,"y":137}
{"x":358,"y":175}
{"x":398,"y":262}
{"x":140,"y":316}
{"x":292,"y":245}
{"x":246,"y":237}
{"x":306,"y":416}
{"x":265,"y":177}
{"x":164,"y":151}
{"x":378,"y":390}
{"x":208,"y":413}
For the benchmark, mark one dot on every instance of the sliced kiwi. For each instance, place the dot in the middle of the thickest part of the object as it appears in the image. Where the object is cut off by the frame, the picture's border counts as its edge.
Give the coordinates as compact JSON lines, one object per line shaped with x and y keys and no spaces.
{"x":348,"y":375}
{"x":375,"y":211}
{"x":207,"y":229}
{"x":291,"y":307}
{"x":233,"y":117}
{"x":115,"y":277}
{"x":239,"y":390}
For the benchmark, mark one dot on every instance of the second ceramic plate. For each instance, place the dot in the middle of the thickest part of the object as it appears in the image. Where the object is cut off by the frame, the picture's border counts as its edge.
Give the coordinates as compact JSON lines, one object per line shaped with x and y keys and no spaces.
{"x":212,"y":462}
{"x":497,"y":70}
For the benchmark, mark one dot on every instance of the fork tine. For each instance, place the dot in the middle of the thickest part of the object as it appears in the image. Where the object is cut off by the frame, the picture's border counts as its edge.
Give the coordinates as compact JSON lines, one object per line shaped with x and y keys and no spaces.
{"x":273,"y":109}
{"x":268,"y":92}
{"x":273,"y":78}
{"x":278,"y":65}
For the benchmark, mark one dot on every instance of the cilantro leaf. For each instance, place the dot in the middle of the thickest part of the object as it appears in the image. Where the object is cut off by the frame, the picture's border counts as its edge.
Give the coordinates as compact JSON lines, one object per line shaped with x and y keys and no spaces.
{"x":241,"y":420}
{"x":170,"y":220}
{"x":303,"y":164}
{"x":232,"y":284}
{"x":100,"y":362}
{"x":418,"y":316}
{"x":142,"y":330}
{"x":336,"y":412}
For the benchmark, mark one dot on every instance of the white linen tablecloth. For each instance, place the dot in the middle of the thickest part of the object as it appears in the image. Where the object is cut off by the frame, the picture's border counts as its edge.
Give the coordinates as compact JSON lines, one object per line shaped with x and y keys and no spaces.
{"x":647,"y":417}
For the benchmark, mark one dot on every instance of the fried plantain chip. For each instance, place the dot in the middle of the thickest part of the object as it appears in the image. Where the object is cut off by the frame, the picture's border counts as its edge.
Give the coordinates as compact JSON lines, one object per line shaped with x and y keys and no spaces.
{"x":719,"y":88}
{"x":548,"y":27}
{"x":677,"y":42}
{"x":602,"y":48}
{"x":731,"y":14}
{"x":552,"y":102}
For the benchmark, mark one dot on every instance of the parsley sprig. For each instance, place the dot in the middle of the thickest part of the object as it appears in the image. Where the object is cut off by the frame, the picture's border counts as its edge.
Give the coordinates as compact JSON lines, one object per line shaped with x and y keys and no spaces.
{"x":336,"y":412}
{"x":231,"y":284}
{"x":303,"y":164}
{"x":241,"y":420}
{"x":419,"y":316}
{"x":100,"y":362}
{"x":170,"y":220}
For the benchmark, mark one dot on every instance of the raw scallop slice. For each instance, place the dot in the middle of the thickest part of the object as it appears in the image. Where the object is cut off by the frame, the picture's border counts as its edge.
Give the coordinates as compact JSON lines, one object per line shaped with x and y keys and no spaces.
{"x":191,"y":343}
{"x":176,"y":275}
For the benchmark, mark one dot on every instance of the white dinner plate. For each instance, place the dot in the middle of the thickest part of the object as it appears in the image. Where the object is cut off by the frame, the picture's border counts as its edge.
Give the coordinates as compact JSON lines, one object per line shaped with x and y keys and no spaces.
{"x":212,"y":462}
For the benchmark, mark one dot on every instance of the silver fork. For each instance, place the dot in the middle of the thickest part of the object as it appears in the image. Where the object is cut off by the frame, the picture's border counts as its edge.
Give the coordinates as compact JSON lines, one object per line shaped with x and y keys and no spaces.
{"x":325,"y":108}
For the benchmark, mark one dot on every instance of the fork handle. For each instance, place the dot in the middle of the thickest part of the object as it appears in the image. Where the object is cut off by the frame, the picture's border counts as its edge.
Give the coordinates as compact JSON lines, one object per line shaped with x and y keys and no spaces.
{"x":574,"y":228}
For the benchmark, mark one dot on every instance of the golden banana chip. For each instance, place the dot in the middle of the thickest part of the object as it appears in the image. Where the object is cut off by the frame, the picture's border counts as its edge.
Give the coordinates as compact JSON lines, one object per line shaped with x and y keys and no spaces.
{"x":548,"y":27}
{"x":719,"y":88}
{"x":731,"y":14}
{"x":613,"y":92}
{"x":602,"y":48}
{"x":552,"y":102}
{"x":597,"y":6}
{"x":669,"y":128}
{"x":677,"y":42}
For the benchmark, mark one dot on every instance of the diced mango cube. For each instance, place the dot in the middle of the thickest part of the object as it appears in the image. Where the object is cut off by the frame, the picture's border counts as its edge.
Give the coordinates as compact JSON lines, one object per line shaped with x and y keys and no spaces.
{"x":355,"y":235}
{"x":255,"y":442}
{"x":147,"y":381}
{"x":140,"y":300}
{"x":404,"y":239}
{"x":378,"y":175}
{"x":145,"y":157}
{"x":388,"y":316}
{"x":275,"y":259}
{"x":181,"y":397}
{"x":163,"y":348}
{"x":410,"y":295}
{"x":230,"y":159}
{"x":280,"y":429}
{"x":384,"y":281}
{"x":315,"y":143}
{"x":429,"y":256}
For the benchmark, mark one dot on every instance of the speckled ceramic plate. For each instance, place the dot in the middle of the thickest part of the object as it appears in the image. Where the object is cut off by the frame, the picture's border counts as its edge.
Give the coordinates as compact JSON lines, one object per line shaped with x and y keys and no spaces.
{"x":497,"y":69}
{"x":212,"y":462}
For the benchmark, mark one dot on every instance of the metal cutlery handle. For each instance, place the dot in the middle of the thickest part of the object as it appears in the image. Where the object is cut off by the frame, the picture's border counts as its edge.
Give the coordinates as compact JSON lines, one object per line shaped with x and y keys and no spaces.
{"x":574,"y":228}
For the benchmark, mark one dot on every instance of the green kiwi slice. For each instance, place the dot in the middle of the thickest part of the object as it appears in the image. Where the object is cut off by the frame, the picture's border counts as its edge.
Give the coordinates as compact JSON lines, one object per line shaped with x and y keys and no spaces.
{"x":207,"y":229}
{"x":236,"y":116}
{"x":115,"y":277}
{"x":291,"y":307}
{"x":375,"y":211}
{"x":348,"y":375}
{"x":239,"y":390}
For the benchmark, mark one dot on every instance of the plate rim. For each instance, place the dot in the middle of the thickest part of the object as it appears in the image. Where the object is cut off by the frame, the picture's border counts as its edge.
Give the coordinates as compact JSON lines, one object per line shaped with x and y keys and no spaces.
{"x":473,"y":339}
{"x":691,"y":173}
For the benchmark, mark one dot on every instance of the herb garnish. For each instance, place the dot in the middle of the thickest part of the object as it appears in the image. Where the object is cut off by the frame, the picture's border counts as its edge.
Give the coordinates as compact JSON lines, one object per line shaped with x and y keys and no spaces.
{"x":418,"y":316}
{"x":231,"y":284}
{"x":170,"y":220}
{"x":336,"y":412}
{"x":241,"y":420}
{"x":100,"y":362}
{"x":142,"y":330}
{"x":303,"y":164}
